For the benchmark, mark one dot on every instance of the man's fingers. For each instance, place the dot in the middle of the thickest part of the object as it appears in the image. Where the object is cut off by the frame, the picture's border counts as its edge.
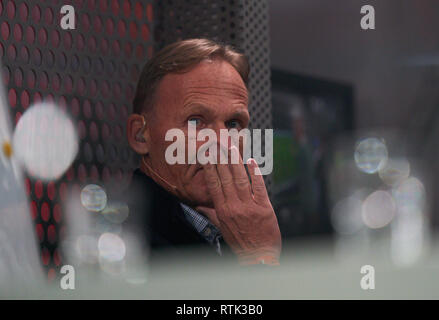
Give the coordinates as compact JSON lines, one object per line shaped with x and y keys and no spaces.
{"x":258,"y":184}
{"x":226,"y":178}
{"x":239,"y":174}
{"x":213,"y":184}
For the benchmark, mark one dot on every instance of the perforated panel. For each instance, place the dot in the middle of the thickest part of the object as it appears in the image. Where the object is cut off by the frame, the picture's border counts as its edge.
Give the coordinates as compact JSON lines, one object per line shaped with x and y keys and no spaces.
{"x":241,"y":23}
{"x":91,"y":72}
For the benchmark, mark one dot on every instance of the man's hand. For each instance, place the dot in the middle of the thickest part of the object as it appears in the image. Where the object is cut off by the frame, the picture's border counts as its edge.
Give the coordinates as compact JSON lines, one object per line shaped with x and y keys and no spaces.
{"x":243,"y":211}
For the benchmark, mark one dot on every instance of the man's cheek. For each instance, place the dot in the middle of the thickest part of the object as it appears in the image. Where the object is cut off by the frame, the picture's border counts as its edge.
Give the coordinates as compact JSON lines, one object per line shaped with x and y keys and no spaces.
{"x":197,"y":182}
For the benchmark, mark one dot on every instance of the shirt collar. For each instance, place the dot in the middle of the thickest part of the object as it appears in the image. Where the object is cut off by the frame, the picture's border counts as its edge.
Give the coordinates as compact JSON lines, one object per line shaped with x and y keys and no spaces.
{"x":201,"y":224}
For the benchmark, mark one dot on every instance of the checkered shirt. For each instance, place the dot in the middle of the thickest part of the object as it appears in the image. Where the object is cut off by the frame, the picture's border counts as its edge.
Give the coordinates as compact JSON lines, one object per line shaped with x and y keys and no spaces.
{"x":203,"y":226}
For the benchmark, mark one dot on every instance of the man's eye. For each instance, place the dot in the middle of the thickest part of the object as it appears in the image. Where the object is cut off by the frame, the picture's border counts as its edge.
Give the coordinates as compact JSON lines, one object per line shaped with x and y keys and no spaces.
{"x":195,"y":121}
{"x":233,"y":124}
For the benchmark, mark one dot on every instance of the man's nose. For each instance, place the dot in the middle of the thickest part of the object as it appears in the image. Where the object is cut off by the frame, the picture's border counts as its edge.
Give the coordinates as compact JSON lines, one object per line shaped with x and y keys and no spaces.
{"x":222,"y":141}
{"x":223,"y":138}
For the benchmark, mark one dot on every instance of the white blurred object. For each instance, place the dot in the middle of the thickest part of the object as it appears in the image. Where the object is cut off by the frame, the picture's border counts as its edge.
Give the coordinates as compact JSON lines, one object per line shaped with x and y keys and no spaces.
{"x":407,"y":237}
{"x":79,"y":245}
{"x":45,"y":141}
{"x":346,"y":216}
{"x":93,"y":198}
{"x":87,"y":249}
{"x":19,"y":255}
{"x":370,"y":155}
{"x":111,"y":247}
{"x":410,"y":194}
{"x":395,"y":171}
{"x":124,"y":257}
{"x":96,"y":239}
{"x":378,"y":210}
{"x":409,"y":230}
{"x":111,"y":254}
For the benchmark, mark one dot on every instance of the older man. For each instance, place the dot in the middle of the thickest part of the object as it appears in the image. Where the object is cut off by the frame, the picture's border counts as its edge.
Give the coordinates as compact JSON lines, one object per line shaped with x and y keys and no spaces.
{"x":203,"y":83}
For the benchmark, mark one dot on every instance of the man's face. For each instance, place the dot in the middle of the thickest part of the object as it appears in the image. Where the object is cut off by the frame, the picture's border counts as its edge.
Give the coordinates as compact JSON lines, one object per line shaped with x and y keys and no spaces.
{"x":211,"y":95}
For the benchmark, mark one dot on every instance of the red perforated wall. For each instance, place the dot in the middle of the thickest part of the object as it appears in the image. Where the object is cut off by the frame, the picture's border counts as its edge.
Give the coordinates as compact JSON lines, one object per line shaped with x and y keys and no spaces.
{"x":90,"y":72}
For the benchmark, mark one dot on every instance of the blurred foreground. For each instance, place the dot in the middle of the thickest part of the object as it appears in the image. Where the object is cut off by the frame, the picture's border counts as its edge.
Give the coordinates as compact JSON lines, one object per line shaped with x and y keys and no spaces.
{"x":309,"y":270}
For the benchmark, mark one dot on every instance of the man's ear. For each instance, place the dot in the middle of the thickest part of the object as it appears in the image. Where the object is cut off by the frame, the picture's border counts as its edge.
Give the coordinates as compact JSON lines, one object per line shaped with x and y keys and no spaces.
{"x":138,"y":134}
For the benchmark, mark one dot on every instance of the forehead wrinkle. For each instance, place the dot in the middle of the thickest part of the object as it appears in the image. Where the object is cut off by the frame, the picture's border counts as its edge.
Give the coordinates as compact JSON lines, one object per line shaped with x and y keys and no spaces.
{"x":233,"y":89}
{"x":199,"y":97}
{"x":196,"y":99}
{"x":204,"y":96}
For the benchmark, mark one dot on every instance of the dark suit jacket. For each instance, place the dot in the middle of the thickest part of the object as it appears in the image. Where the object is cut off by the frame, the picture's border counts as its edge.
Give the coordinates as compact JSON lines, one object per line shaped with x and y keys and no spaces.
{"x":157,"y":217}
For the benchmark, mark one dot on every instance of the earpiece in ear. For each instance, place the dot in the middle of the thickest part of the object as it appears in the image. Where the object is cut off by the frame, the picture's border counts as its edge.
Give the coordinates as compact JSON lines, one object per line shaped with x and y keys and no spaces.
{"x":139,"y":136}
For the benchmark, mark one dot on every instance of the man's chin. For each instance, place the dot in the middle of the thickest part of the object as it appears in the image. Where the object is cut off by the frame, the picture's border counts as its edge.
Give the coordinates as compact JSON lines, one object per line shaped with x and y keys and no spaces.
{"x":198,"y":193}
